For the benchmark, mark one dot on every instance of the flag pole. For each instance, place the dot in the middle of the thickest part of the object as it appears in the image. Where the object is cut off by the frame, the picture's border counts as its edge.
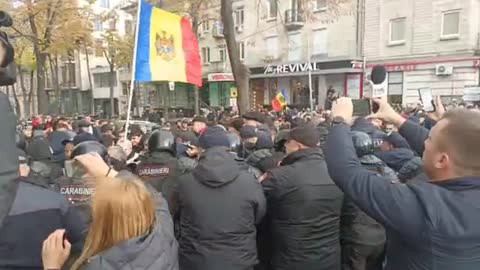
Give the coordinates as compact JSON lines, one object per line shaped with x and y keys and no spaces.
{"x":134,"y":66}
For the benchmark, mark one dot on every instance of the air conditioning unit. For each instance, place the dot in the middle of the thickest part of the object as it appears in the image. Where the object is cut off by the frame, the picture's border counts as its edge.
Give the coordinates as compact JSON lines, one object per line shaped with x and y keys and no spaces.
{"x":239,"y":28}
{"x":268,"y":58}
{"x":217,"y":30}
{"x":443,"y":70}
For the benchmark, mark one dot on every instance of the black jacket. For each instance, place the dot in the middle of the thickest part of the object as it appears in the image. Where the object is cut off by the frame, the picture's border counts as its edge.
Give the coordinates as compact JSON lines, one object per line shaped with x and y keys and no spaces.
{"x":428,"y":225}
{"x":36,"y":213}
{"x":157,"y":250}
{"x":161,"y":170}
{"x":304,"y":206}
{"x":403,"y":161}
{"x":219,"y":204}
{"x":356,"y":226}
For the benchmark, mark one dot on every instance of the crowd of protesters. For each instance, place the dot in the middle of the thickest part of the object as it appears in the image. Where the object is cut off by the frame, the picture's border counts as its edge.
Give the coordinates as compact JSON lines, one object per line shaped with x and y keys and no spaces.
{"x":297,"y":190}
{"x":293,"y":191}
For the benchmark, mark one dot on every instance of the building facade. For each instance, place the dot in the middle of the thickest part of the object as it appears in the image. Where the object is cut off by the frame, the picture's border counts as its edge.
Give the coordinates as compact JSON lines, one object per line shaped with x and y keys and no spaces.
{"x":424,"y":44}
{"x":282,"y":43}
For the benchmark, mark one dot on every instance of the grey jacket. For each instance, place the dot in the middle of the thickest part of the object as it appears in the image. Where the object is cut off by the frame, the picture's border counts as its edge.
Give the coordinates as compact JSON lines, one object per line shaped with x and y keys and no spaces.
{"x":157,"y":250}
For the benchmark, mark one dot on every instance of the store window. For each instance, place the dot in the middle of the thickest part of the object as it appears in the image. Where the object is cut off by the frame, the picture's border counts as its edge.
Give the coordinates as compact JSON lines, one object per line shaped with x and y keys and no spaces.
{"x":395,"y":87}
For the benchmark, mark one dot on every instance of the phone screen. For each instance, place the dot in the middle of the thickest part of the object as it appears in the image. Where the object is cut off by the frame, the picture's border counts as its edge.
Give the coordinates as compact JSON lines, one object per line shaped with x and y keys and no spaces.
{"x":427,"y":99}
{"x":361,"y":107}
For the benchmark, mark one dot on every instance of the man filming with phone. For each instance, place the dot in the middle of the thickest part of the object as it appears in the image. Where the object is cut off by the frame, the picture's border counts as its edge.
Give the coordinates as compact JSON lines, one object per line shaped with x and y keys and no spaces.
{"x":431,"y":224}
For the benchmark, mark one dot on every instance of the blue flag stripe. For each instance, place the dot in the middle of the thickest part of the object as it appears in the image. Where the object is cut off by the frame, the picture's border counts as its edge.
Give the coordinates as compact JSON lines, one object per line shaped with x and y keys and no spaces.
{"x":142,"y":68}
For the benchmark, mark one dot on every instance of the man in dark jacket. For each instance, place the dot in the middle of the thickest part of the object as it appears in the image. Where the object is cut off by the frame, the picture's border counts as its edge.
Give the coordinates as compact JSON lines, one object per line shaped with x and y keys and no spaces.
{"x":159,"y":167}
{"x":304,"y":207}
{"x":362,"y":238}
{"x":33,"y":212}
{"x":219,"y":204}
{"x":429,"y":224}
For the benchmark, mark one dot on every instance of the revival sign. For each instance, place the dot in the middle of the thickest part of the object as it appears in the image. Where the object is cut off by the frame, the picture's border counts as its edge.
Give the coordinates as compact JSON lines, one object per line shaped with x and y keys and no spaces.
{"x":291,"y":68}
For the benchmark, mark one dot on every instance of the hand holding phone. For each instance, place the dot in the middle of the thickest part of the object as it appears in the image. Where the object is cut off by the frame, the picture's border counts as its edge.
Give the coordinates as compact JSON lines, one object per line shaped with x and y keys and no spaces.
{"x":427,"y":99}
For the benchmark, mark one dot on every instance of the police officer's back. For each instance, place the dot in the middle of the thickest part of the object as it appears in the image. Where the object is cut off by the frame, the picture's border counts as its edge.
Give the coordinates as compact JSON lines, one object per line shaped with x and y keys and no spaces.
{"x":362,"y":238}
{"x":76,"y":185}
{"x":160,"y":167}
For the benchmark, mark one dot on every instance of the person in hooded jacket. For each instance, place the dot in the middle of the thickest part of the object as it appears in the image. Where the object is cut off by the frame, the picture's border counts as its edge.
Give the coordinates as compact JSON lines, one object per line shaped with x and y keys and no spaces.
{"x":29,"y":212}
{"x":304,"y":207}
{"x":258,"y":148}
{"x":131,"y":226}
{"x":429,"y":224}
{"x":159,"y":166}
{"x":396,"y":153}
{"x":362,"y":238}
{"x":219,"y":204}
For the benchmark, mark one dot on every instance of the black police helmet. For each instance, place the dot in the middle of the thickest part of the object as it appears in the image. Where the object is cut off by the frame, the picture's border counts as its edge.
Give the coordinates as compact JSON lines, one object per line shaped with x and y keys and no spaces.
{"x":235,"y":142}
{"x":363,"y":143}
{"x":161,"y":140}
{"x":90,"y":147}
{"x":20,"y":141}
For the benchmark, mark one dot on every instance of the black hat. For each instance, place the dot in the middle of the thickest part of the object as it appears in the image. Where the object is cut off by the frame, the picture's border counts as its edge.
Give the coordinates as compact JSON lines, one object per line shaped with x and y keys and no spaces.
{"x":83,"y":137}
{"x":199,"y":119}
{"x":83,"y":124}
{"x":90,"y":147}
{"x":255,"y":116}
{"x":305,"y":135}
{"x":247,"y":132}
{"x":214,"y":137}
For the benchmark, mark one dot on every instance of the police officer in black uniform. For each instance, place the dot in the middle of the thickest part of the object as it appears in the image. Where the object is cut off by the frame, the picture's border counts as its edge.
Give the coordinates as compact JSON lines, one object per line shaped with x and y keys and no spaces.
{"x":76,"y":185}
{"x":362,"y":238}
{"x":159,"y":166}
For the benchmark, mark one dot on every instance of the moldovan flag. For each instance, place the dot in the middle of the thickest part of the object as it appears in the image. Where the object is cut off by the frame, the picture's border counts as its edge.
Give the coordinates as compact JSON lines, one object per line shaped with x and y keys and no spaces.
{"x":278,"y":103}
{"x":167,"y":48}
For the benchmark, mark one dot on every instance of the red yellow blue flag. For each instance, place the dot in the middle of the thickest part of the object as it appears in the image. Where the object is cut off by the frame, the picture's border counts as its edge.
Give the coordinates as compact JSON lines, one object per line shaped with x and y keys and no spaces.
{"x":167,"y":48}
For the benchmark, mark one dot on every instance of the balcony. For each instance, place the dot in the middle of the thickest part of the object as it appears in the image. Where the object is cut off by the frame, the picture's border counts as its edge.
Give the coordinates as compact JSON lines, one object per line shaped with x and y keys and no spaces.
{"x":294,"y":19}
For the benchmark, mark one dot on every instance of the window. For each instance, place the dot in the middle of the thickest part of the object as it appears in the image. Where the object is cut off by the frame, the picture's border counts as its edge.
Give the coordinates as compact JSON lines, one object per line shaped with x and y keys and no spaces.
{"x":296,"y":4}
{"x":98,"y":48}
{"x":206,"y":55}
{"x":241,"y":49}
{"x":205,"y":26}
{"x":239,"y":19}
{"x":102,"y":80}
{"x":397,"y":31}
{"x":104,"y":3}
{"x":320,"y":42}
{"x":320,"y":5}
{"x":68,"y":74}
{"x":294,"y":47}
{"x":451,"y":24}
{"x":113,"y":25}
{"x":222,"y":54}
{"x":98,"y":24}
{"x":272,"y":47}
{"x":128,"y":27}
{"x":272,"y":9}
{"x":395,"y":87}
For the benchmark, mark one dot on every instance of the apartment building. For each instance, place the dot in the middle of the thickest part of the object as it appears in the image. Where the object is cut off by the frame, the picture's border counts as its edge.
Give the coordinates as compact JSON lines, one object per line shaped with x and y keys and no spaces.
{"x":282,"y":42}
{"x":424,"y":44}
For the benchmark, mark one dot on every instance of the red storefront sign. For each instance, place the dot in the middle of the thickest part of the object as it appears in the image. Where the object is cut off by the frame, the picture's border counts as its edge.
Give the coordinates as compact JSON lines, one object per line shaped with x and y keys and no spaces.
{"x":220,"y":77}
{"x":405,"y":67}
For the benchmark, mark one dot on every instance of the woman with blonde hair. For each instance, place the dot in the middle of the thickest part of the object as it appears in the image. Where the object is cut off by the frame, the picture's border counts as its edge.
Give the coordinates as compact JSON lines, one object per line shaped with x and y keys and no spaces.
{"x":131,"y":226}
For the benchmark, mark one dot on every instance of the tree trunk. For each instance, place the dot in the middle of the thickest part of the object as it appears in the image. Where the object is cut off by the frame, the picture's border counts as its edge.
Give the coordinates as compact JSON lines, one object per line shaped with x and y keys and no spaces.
{"x":196,"y":94}
{"x":239,"y":70}
{"x":42,"y":97}
{"x":112,"y":81}
{"x":17,"y":103}
{"x":31,"y":108}
{"x":90,"y":82}
{"x":56,"y":81}
{"x":26,"y":104}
